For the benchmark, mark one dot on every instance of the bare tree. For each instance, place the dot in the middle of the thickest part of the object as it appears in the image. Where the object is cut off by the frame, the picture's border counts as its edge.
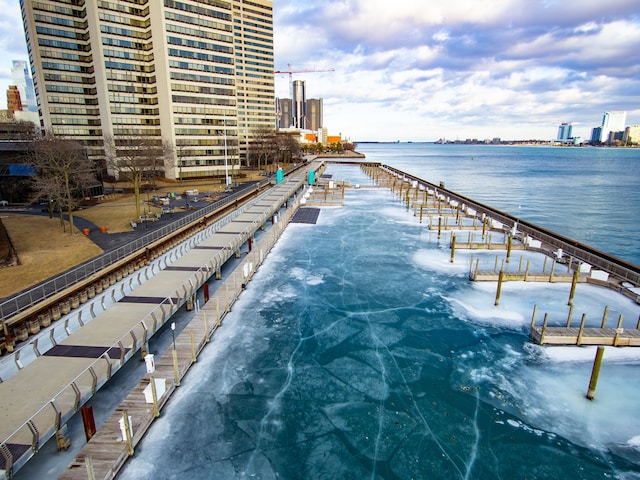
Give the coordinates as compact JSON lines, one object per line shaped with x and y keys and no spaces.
{"x":263,"y":145}
{"x":63,"y":172}
{"x":137,"y":159}
{"x":288,"y":148}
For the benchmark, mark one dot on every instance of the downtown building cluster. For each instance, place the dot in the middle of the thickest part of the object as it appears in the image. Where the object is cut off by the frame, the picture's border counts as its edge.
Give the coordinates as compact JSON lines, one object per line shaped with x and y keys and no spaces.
{"x":193,"y":75}
{"x":612,"y":131}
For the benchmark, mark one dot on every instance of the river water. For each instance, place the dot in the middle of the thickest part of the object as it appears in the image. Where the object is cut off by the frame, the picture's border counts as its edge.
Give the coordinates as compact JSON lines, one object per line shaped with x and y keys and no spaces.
{"x":359,"y":351}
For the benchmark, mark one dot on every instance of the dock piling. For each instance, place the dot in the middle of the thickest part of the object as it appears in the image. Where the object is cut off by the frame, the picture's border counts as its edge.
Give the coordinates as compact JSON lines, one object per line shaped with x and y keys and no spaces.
{"x":619,"y":331}
{"x":88,"y":462}
{"x":499,"y":290}
{"x":574,"y":283}
{"x":595,"y":371}
{"x":453,"y":247}
{"x":604,"y":316}
{"x":533,"y":316}
{"x":581,"y":331}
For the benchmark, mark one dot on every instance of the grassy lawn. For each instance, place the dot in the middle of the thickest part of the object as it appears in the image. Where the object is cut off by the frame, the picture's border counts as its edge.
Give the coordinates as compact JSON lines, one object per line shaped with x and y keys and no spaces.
{"x":44,"y":250}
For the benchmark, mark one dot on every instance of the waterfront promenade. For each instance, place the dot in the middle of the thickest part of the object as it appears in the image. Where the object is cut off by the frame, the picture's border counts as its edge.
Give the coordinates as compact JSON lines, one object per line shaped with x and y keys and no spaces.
{"x":37,"y":401}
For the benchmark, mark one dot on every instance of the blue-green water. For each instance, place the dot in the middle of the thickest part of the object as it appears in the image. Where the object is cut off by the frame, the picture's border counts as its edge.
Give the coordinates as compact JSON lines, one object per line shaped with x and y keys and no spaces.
{"x":589,"y":194}
{"x":358,"y":351}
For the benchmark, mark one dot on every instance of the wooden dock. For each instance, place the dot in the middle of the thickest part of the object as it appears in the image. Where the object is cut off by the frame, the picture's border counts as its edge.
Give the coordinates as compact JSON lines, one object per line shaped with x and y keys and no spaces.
{"x":616,"y":337}
{"x":569,"y":334}
{"x":107,"y":451}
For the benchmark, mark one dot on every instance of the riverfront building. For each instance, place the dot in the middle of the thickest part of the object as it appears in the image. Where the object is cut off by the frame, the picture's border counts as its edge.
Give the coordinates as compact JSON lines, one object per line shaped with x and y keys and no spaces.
{"x":565,"y":133}
{"x":193,"y":75}
{"x":612,"y":128}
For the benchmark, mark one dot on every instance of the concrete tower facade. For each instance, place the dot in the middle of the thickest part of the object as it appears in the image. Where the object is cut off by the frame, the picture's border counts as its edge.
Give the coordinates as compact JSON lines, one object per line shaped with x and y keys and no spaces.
{"x":299,"y":104}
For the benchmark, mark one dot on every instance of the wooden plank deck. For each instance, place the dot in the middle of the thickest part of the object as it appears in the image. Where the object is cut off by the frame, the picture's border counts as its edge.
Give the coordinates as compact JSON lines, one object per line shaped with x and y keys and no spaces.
{"x":493,"y":276}
{"x":107,"y":450}
{"x":617,"y":337}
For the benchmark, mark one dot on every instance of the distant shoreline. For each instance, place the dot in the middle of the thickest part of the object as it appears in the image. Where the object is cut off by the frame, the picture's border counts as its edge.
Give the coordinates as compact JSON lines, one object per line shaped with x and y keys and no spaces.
{"x":504,"y":143}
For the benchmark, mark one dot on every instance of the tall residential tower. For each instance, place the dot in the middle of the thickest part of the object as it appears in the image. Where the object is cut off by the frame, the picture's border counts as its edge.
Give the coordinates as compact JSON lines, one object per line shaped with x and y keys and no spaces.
{"x":194,"y":74}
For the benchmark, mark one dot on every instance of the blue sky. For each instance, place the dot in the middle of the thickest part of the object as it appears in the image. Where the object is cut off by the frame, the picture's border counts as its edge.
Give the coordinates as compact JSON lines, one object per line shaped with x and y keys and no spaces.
{"x":423,"y":69}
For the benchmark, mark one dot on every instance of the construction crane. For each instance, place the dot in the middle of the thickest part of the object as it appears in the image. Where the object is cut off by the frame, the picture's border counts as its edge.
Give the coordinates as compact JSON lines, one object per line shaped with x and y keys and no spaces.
{"x":290,"y":72}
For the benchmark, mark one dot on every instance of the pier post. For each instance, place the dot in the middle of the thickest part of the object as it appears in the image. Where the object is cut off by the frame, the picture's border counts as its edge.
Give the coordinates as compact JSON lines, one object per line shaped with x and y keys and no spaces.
{"x":499,"y":290}
{"x":544,"y":327}
{"x":207,"y":336}
{"x":421,"y":208}
{"x":604,"y":316}
{"x":533,"y":316}
{"x":526,"y":272}
{"x":174,"y":354}
{"x":570,"y":316}
{"x":154,"y":397}
{"x":595,"y":371}
{"x":88,"y":462}
{"x":194,"y":358}
{"x":619,"y":331}
{"x":509,"y":243}
{"x":453,"y":247}
{"x":127,"y":432}
{"x":439,"y":227}
{"x":581,"y":331}
{"x":544,"y":266}
{"x":574,"y":282}
{"x":553,"y":269}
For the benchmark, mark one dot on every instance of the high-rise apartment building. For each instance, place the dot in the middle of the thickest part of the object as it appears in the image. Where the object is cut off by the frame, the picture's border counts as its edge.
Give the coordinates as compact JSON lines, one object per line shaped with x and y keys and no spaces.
{"x":22,"y":80}
{"x":284,"y":113}
{"x":194,"y":74}
{"x":565,"y":133}
{"x":612,"y":122}
{"x":314,"y":114}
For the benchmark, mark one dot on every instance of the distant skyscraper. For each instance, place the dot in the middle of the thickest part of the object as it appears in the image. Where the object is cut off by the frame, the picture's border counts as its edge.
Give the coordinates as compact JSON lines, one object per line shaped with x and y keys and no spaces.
{"x":299,"y":104}
{"x":197,"y":74}
{"x":24,"y":82}
{"x":612,"y":122}
{"x":284,"y":113}
{"x":314,"y":113}
{"x":632,"y":135}
{"x":596,"y":134}
{"x":565,"y":133}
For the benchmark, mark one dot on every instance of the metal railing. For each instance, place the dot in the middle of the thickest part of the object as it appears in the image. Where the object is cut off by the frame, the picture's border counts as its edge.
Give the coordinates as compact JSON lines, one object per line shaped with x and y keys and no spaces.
{"x":570,"y":247}
{"x":64,"y":404}
{"x":21,"y":301}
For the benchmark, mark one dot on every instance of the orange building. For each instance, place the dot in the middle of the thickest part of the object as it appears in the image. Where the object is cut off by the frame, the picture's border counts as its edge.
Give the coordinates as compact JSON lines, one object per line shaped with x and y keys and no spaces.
{"x":14,"y":104}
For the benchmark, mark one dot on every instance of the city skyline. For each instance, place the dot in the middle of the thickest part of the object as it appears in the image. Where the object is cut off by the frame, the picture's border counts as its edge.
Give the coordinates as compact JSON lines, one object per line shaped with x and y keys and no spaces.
{"x":508,"y":68}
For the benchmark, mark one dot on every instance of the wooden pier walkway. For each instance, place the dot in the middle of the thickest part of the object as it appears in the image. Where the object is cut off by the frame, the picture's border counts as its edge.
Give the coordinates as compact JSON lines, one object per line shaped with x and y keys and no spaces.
{"x":569,"y":334}
{"x":38,"y":400}
{"x":616,"y":337}
{"x":107,"y":451}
